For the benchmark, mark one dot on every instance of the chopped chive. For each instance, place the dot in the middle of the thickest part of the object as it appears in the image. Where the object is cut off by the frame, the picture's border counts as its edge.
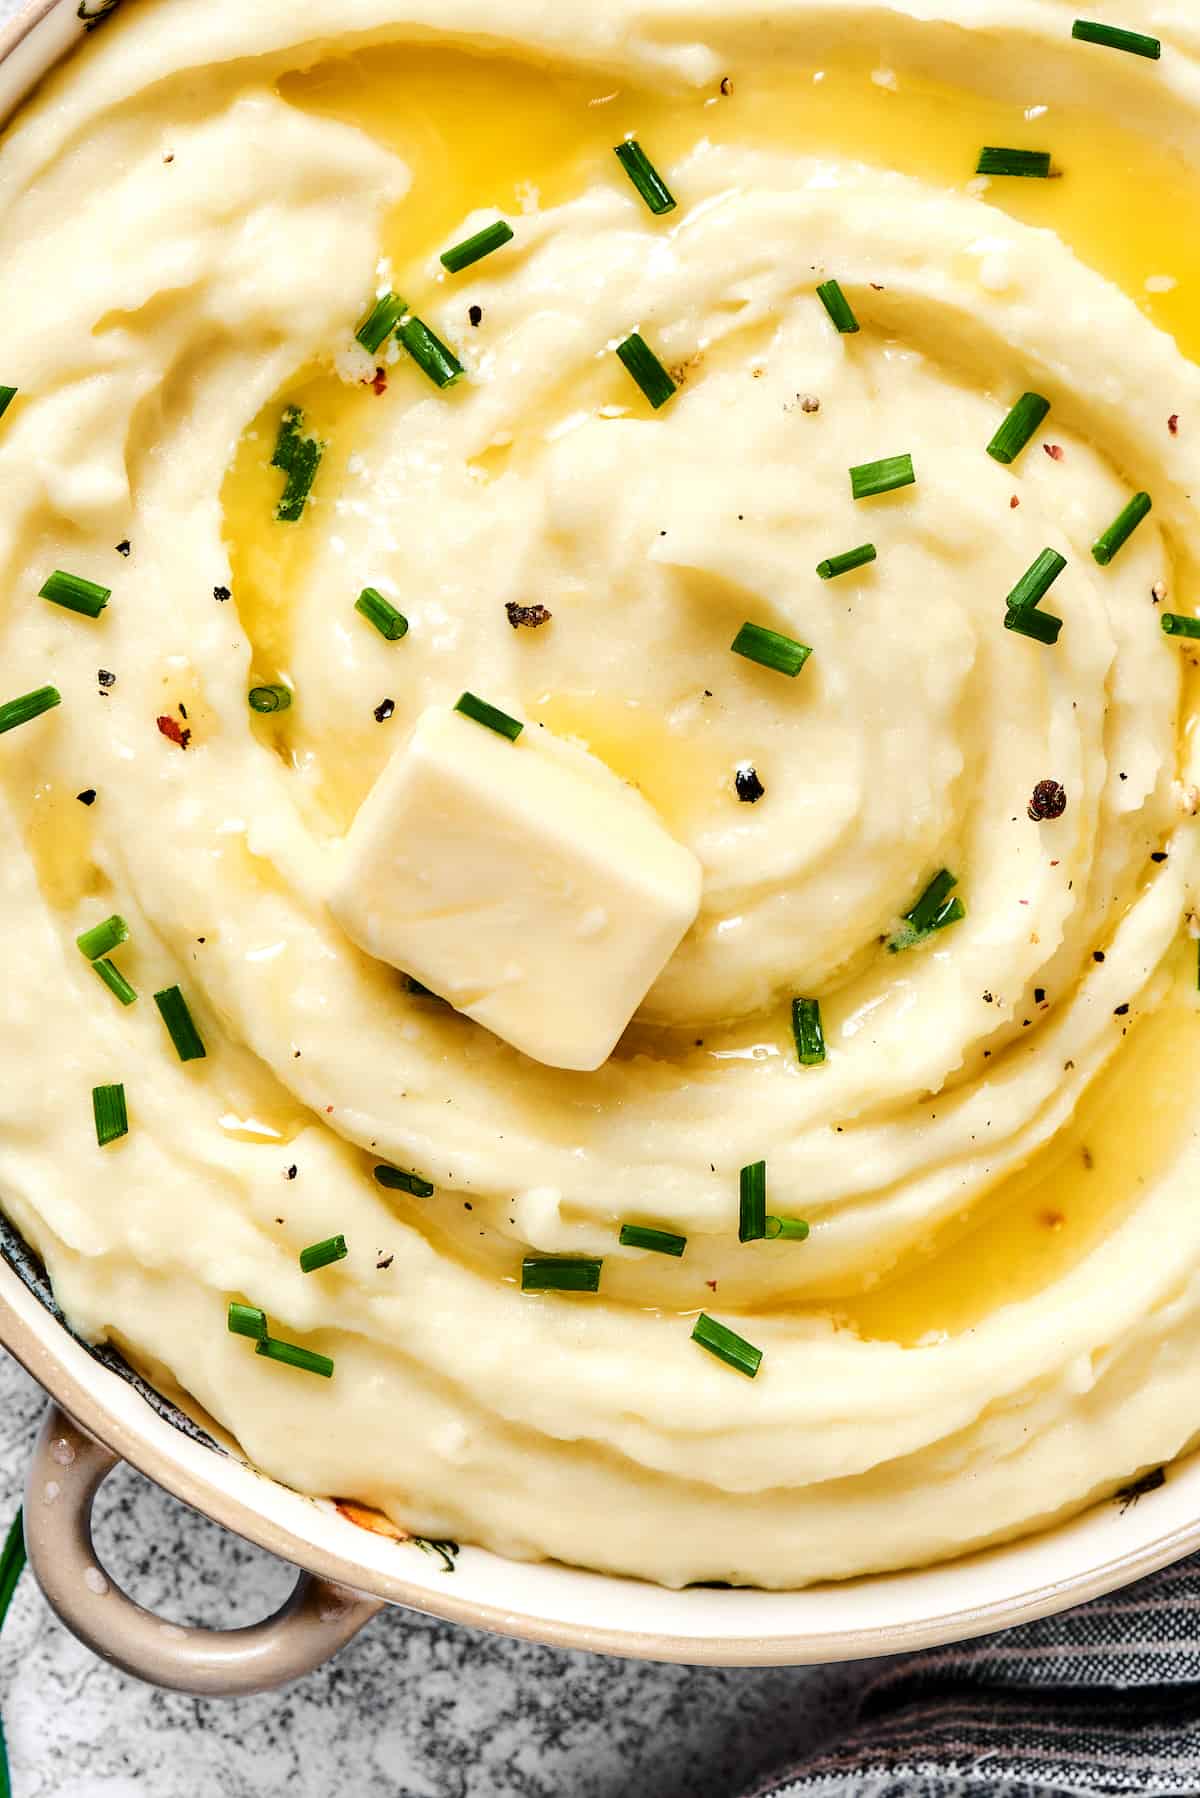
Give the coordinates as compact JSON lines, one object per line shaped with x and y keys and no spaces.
{"x":561,"y":1273}
{"x":246,"y":1320}
{"x":932,"y":912}
{"x":727,"y":1345}
{"x":108,"y":1109}
{"x":114,"y":980}
{"x":1121,"y":529}
{"x":102,"y":937}
{"x":752,"y":1202}
{"x":380,"y":321}
{"x":1018,"y":427}
{"x":1175,"y":624}
{"x":284,"y":453}
{"x":75,"y":594}
{"x":482,"y":713}
{"x":7,"y":396}
{"x":1033,"y":163}
{"x":787,"y":1229}
{"x":661,"y":1242}
{"x":306,"y":459}
{"x":885,"y":476}
{"x":645,"y":177}
{"x":1112,"y":37}
{"x":806,"y":1028}
{"x":28,"y":707}
{"x":12,"y":1562}
{"x":323,"y":1254}
{"x":173,"y":1007}
{"x":396,"y":1180}
{"x":771,"y":650}
{"x":291,"y":1356}
{"x":848,"y":560}
{"x":273,"y":698}
{"x":1043,"y":627}
{"x":838,"y":307}
{"x":646,"y":369}
{"x":431,"y":355}
{"x":474,"y":249}
{"x":1037,"y":581}
{"x":382,"y":614}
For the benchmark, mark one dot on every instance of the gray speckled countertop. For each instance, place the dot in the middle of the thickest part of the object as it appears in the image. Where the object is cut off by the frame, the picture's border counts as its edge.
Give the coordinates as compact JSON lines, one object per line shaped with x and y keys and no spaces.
{"x":412,"y":1709}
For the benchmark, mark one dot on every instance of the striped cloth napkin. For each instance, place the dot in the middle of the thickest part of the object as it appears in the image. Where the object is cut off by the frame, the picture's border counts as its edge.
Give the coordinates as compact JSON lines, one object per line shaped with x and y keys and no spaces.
{"x":1104,"y":1699}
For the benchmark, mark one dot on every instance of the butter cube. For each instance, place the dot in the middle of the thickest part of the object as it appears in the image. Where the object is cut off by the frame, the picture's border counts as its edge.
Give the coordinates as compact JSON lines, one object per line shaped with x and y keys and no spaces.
{"x":523,"y":882}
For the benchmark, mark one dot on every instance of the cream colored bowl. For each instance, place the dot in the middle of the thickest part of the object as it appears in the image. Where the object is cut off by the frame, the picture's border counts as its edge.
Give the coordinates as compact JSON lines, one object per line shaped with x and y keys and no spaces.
{"x":349,"y":1572}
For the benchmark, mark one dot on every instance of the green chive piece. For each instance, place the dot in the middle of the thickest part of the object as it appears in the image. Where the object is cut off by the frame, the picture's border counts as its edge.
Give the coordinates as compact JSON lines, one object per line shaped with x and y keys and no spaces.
{"x":660,"y":1242}
{"x":645,"y":177}
{"x":114,"y":980}
{"x":306,"y":459}
{"x":752,"y":1205}
{"x":1043,"y":627}
{"x":482,"y":713}
{"x":646,"y":369}
{"x":291,"y":1356}
{"x":299,"y":458}
{"x":885,"y":476}
{"x":838,"y":307}
{"x":75,"y":594}
{"x":932,"y":912}
{"x":1175,"y":624}
{"x":12,"y":1562}
{"x":431,"y":355}
{"x":108,"y":1109}
{"x":1112,"y":37}
{"x":727,"y":1345}
{"x":1037,"y":581}
{"x":323,"y":1254}
{"x":846,"y":562}
{"x":787,"y":1229}
{"x":173,"y":1007}
{"x":382,"y":614}
{"x":247,"y":1320}
{"x":396,"y":1180}
{"x":1121,"y":529}
{"x":102,"y":937}
{"x":474,"y":249}
{"x":561,"y":1273}
{"x":380,"y":321}
{"x":7,"y":396}
{"x":284,"y":453}
{"x":28,"y":707}
{"x":771,"y":650}
{"x":1032,"y":163}
{"x":1018,"y":427}
{"x":268,"y":699}
{"x":806,"y":1028}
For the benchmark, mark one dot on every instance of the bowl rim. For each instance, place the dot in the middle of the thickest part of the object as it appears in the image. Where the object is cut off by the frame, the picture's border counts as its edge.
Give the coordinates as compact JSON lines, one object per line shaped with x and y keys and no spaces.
{"x":98,"y":1401}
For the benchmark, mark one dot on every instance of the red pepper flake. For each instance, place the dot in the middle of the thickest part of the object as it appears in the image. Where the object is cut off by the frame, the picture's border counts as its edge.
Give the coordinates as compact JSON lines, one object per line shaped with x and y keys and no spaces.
{"x":711,"y":1284}
{"x":726,"y":86}
{"x":378,"y":382}
{"x":1054,"y":451}
{"x":1014,"y":502}
{"x":328,"y":1109}
{"x":1173,"y":424}
{"x":174,"y":731}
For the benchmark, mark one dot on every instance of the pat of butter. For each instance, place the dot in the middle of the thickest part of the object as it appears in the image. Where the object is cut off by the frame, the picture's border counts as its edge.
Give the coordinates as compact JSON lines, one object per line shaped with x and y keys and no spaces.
{"x":523,"y":882}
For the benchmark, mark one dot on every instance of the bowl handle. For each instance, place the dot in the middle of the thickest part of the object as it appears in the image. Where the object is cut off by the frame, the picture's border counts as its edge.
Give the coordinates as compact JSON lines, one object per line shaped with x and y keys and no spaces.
{"x":67,"y":1471}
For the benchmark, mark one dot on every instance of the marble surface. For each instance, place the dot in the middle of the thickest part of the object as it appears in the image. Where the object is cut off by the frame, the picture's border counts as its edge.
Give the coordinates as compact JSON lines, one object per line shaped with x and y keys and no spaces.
{"x":412,"y":1709}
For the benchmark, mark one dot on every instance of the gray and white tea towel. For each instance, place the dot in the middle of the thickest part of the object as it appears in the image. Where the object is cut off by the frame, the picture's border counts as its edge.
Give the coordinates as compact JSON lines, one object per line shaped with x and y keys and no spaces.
{"x":1103,"y":1699}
